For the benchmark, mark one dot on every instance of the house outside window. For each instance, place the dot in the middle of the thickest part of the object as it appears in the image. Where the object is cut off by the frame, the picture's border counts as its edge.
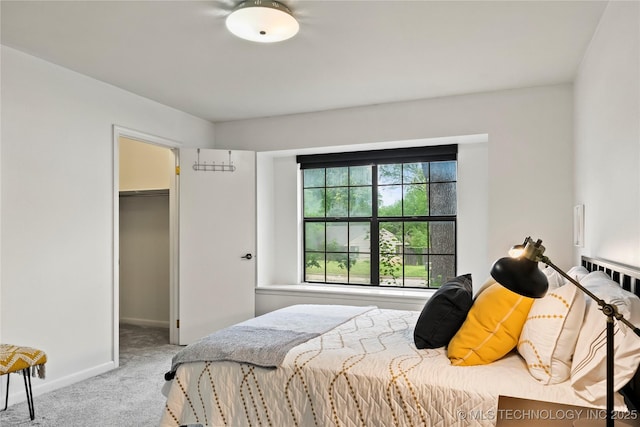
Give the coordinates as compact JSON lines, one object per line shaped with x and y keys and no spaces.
{"x":384,"y":217}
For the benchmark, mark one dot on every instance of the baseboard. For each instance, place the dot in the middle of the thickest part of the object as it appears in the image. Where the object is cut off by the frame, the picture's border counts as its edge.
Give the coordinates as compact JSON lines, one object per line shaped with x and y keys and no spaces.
{"x":144,"y":322}
{"x":17,"y":393}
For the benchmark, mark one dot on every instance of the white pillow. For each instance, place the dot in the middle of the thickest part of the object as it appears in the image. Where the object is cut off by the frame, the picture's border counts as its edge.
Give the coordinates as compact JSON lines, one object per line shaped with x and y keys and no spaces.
{"x":553,"y":277}
{"x":577,"y":273}
{"x":549,"y":336}
{"x":588,"y":370}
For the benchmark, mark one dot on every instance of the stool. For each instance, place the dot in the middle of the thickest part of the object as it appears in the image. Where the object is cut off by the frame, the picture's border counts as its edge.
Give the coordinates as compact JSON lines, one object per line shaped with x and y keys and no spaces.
{"x":27,"y":360}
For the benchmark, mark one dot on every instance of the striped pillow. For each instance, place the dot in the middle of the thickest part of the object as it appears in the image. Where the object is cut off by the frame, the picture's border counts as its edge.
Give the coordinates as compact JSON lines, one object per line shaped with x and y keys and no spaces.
{"x":549,"y":336}
{"x":492,"y":327}
{"x":588,"y":369}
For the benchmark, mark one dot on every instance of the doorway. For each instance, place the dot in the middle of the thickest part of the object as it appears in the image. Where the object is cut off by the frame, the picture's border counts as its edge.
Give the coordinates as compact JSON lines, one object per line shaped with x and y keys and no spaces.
{"x":145,"y":260}
{"x":145,"y":174}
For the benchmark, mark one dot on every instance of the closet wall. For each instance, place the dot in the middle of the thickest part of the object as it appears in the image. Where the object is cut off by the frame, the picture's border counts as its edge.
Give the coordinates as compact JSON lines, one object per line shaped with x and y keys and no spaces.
{"x":145,"y":174}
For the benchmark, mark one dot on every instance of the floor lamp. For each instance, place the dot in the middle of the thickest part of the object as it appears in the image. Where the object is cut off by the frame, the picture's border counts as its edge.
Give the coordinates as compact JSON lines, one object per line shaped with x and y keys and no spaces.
{"x":520,"y":273}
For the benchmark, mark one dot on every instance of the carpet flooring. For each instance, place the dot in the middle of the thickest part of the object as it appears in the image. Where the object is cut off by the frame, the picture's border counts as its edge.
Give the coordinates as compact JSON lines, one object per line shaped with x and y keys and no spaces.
{"x":127,"y":396}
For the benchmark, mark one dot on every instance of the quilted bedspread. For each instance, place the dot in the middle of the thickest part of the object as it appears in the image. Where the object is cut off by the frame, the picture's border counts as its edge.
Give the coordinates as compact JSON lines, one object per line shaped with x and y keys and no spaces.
{"x":365,"y":372}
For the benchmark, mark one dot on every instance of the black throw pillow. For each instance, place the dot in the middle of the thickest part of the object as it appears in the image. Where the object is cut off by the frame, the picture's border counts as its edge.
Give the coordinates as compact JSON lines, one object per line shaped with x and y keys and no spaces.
{"x":444,"y":313}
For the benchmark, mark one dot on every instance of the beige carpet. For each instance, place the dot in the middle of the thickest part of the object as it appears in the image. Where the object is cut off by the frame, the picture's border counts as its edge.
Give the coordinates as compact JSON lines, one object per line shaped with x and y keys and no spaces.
{"x":127,"y":396}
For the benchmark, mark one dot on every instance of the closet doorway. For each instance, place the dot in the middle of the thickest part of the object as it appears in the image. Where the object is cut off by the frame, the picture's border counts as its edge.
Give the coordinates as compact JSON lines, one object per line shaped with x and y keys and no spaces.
{"x":146,"y":183}
{"x":199,"y":213}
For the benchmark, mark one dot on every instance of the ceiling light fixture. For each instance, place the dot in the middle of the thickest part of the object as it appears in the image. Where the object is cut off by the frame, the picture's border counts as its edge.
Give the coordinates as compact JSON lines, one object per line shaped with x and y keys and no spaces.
{"x":264,"y":21}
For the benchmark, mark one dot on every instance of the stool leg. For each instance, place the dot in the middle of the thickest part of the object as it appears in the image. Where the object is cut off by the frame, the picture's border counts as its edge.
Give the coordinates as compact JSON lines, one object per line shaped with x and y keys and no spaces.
{"x":27,"y":386}
{"x":6,"y":399}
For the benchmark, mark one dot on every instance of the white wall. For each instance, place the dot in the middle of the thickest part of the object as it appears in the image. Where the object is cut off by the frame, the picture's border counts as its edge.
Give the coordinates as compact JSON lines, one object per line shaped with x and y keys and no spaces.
{"x":56,"y":285}
{"x":144,"y":166}
{"x":528,"y":162}
{"x":607,"y":144}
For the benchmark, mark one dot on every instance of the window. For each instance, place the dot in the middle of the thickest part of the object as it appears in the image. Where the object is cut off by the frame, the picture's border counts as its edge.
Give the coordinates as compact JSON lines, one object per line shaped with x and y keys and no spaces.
{"x":385,"y":217}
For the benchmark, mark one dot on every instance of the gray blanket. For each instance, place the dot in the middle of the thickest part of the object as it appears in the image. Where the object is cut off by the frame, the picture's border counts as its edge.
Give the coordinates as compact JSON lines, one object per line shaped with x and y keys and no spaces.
{"x":265,"y":340}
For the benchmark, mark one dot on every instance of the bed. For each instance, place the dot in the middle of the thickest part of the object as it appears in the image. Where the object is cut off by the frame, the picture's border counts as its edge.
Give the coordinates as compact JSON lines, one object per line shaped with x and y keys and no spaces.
{"x":363,"y":370}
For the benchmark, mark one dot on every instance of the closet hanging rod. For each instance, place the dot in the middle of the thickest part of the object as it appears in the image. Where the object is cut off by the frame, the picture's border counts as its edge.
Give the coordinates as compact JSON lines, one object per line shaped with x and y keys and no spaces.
{"x":213,"y":167}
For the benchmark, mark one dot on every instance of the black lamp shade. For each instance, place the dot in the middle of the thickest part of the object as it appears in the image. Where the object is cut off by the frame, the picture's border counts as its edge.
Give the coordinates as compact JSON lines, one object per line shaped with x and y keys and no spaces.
{"x":521,"y":276}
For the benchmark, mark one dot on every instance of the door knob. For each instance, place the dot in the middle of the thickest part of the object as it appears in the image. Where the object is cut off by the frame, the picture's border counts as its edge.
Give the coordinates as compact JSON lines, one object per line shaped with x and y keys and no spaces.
{"x":247,"y":256}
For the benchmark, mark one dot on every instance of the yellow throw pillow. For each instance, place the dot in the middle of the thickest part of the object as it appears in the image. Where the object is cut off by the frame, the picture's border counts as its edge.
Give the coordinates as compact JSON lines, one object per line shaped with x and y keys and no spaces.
{"x":491,"y":329}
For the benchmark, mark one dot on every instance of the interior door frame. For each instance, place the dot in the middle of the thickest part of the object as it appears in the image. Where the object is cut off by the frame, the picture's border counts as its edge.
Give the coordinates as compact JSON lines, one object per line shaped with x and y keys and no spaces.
{"x":174,"y":146}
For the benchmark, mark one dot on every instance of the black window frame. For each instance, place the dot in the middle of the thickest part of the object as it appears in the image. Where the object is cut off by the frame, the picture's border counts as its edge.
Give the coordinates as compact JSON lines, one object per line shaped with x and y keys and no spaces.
{"x":376,"y":158}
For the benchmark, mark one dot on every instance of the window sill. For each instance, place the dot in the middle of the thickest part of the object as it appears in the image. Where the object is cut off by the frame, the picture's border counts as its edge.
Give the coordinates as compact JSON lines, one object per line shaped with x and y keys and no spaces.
{"x":366,"y":292}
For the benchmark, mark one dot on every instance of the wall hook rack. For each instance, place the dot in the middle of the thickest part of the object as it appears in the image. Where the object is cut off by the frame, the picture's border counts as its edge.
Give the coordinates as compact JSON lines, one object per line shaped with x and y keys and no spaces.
{"x":213,"y":167}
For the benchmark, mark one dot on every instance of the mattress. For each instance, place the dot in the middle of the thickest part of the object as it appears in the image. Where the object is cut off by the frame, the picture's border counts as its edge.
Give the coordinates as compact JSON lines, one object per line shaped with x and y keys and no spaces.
{"x":365,"y":372}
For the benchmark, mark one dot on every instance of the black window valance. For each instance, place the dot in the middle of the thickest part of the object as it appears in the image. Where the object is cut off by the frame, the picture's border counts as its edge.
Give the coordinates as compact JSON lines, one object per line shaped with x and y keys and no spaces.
{"x":393,"y":155}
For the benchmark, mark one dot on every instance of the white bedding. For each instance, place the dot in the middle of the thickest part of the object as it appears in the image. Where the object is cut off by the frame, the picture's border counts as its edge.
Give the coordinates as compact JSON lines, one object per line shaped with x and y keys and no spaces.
{"x":365,"y":372}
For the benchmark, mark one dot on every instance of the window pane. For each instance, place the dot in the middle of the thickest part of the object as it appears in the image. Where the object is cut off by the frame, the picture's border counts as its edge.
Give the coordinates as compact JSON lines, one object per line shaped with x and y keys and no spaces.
{"x":337,"y":177}
{"x":314,"y":267}
{"x":337,"y":236}
{"x":360,"y":268}
{"x":337,"y":201}
{"x":337,"y":267}
{"x":360,"y":201}
{"x":314,"y":236}
{"x":390,"y":174}
{"x":360,"y":175}
{"x":390,"y":200}
{"x":314,"y":202}
{"x":416,"y":273}
{"x":443,"y":171}
{"x":390,"y":270}
{"x":313,"y":178}
{"x":416,"y":237}
{"x":416,"y":240}
{"x":442,"y":237}
{"x":415,"y":172}
{"x":390,"y":237}
{"x":443,"y":199}
{"x":415,"y":200}
{"x":390,"y":246}
{"x":359,"y":237}
{"x":442,"y":268}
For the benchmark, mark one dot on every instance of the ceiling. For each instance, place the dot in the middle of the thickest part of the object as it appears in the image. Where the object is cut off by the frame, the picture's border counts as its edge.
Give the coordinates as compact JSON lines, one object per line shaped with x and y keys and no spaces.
{"x":347,"y":53}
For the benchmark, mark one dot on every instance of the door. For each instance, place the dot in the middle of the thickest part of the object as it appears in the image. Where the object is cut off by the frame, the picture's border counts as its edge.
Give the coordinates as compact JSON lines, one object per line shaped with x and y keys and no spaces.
{"x":216,"y":241}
